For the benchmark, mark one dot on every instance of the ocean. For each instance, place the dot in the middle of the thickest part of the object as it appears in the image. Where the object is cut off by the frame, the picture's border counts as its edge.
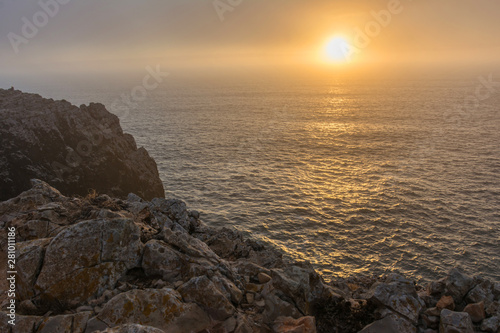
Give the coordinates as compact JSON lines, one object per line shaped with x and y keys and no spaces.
{"x":356,"y":176}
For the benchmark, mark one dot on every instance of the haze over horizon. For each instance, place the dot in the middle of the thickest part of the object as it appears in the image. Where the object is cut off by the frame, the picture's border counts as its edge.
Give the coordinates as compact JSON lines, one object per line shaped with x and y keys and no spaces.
{"x":96,"y":38}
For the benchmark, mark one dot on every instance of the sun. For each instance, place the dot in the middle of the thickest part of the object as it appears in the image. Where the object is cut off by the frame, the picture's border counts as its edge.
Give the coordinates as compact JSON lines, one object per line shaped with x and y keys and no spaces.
{"x":336,"y":50}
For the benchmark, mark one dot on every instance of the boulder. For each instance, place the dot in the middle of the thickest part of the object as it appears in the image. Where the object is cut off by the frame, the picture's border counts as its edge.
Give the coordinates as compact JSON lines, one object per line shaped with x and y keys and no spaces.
{"x":446,"y":302}
{"x":64,"y":323}
{"x":491,"y":324}
{"x":457,"y":285}
{"x":162,"y":309}
{"x":493,"y":309}
{"x":475,"y":311}
{"x":455,"y":322}
{"x":74,"y":149}
{"x":29,"y":261}
{"x":481,"y":292}
{"x":202,"y":291}
{"x":160,"y":259}
{"x":302,"y":284}
{"x":399,"y":296}
{"x":87,"y":258}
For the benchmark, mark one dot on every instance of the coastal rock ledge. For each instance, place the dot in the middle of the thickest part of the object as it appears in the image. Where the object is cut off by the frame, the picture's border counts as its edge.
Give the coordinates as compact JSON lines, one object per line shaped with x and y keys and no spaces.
{"x":103,"y":264}
{"x":72,"y":148}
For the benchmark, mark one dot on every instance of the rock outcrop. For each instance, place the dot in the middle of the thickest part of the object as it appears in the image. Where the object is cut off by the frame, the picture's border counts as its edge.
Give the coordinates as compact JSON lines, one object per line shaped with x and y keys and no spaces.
{"x":73,"y":148}
{"x":103,"y":264}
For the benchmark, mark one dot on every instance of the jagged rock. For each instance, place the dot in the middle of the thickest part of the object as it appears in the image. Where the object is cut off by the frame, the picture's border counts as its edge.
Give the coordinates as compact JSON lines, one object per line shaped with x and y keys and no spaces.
{"x":75,"y":149}
{"x":245,"y":267}
{"x":399,"y":296}
{"x":475,"y":311}
{"x":202,"y":291}
{"x":455,"y":322}
{"x":228,"y":288}
{"x":64,"y":323}
{"x":87,"y":258}
{"x":291,"y":325}
{"x":113,"y":268}
{"x":446,"y":302}
{"x":491,"y":324}
{"x":390,"y":324}
{"x":276,"y":307}
{"x":481,"y":292}
{"x":25,"y":324}
{"x":303,"y":285}
{"x":160,"y":259}
{"x":493,"y":308}
{"x":30,"y":258}
{"x":162,"y":309}
{"x":457,"y":285}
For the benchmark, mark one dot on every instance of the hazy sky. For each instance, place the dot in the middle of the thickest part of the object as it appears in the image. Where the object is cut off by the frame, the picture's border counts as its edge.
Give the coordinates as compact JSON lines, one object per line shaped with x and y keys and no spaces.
{"x":122,"y":35}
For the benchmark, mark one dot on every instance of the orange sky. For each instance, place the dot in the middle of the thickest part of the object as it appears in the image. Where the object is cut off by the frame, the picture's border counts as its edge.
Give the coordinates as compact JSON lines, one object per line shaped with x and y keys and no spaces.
{"x":125,"y":35}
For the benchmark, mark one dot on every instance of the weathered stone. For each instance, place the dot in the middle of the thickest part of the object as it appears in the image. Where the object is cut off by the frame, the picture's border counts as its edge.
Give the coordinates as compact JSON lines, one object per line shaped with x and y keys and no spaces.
{"x":493,"y":309}
{"x":457,"y":285}
{"x":29,"y":261}
{"x":74,"y":149}
{"x":202,"y":291}
{"x":276,"y":307}
{"x":491,"y":324}
{"x":303,"y":285}
{"x":25,"y":324}
{"x":161,"y":260}
{"x":88,"y":258}
{"x":430,"y":321}
{"x":80,"y":321}
{"x":390,"y":324}
{"x":455,"y":322}
{"x":228,"y":288}
{"x":229,"y":324}
{"x":399,"y":296}
{"x":27,"y":307}
{"x":481,"y":292}
{"x":245,"y":267}
{"x":291,"y":325}
{"x":475,"y":311}
{"x":57,"y":324}
{"x":263,"y":278}
{"x":161,"y":309}
{"x":446,"y":302}
{"x":243,"y":325}
{"x":437,"y":287}
{"x":433,"y":311}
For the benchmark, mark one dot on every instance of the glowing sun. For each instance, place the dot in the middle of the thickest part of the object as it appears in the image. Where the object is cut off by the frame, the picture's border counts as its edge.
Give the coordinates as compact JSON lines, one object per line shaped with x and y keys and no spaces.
{"x":337,"y":50}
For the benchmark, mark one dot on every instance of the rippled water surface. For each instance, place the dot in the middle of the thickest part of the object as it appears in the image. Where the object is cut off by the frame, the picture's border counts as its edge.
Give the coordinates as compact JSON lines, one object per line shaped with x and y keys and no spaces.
{"x":355,"y":177}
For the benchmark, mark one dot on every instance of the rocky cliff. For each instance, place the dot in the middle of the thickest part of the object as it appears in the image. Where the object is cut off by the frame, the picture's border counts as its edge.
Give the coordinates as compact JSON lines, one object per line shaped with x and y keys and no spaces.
{"x":101,"y":264}
{"x":74,"y":148}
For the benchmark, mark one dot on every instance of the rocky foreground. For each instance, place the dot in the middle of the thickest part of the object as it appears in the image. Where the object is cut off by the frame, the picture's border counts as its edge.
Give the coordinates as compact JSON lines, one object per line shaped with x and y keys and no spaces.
{"x":101,"y":264}
{"x":73,"y":148}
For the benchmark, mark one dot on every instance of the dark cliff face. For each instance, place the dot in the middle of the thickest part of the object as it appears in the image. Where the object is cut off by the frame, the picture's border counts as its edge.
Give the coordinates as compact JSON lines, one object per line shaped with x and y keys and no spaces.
{"x":75,"y":149}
